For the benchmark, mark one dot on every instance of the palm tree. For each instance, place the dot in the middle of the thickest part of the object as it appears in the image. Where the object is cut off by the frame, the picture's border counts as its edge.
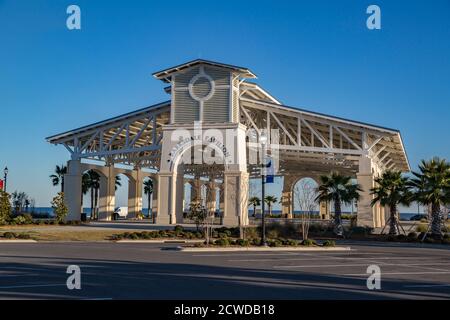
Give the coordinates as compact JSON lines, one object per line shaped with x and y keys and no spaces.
{"x":91,"y":181}
{"x":58,"y":177}
{"x":432,"y":187}
{"x":148,"y":190}
{"x":392,"y":189}
{"x":85,"y":185}
{"x":340,"y":190}
{"x":254,"y":201}
{"x":117,"y":183}
{"x":269,"y":200}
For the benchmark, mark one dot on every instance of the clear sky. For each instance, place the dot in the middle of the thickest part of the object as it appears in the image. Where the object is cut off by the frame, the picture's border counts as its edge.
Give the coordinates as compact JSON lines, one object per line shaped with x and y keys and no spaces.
{"x":317,"y":55}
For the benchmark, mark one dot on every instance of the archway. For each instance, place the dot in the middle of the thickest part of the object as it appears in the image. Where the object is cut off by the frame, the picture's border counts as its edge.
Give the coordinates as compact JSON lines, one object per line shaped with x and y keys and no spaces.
{"x":121,"y":194}
{"x":149,"y":186}
{"x":304,"y":198}
{"x":91,"y":187}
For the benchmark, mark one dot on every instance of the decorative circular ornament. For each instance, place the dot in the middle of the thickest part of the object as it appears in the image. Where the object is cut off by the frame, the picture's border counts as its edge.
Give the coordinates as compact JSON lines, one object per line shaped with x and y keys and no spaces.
{"x":199,"y":92}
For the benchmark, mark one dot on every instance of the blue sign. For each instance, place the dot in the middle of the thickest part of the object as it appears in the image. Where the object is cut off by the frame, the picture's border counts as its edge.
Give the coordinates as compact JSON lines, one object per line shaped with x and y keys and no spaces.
{"x":269,"y":172}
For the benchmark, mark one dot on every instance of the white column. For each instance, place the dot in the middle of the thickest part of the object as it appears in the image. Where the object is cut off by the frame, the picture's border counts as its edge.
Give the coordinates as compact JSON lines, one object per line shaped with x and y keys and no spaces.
{"x":107,"y":199}
{"x":155,"y":196}
{"x":135,"y":194}
{"x":365,"y":177}
{"x":72,"y":194}
{"x":170,"y":197}
{"x":235,"y":198}
{"x":164,"y":198}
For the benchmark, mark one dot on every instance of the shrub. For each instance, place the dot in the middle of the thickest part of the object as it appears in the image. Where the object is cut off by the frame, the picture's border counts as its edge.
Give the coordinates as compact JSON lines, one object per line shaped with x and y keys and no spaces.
{"x":243,"y":242}
{"x":422,"y":228}
{"x":308,"y":242}
{"x":275,"y":243}
{"x":363,"y":231}
{"x":391,"y":237}
{"x":162,"y":233}
{"x":178,"y":229}
{"x":59,"y":207}
{"x":273,"y":233}
{"x":290,"y":242}
{"x":401,"y":237}
{"x":13,"y":235}
{"x":145,"y":235}
{"x":251,"y":233}
{"x":429,"y":240}
{"x":412,"y":236}
{"x":134,"y":236}
{"x":222,"y":242}
{"x":23,"y":236}
{"x":21,"y":219}
{"x":5,"y":207}
{"x":198,"y":235}
{"x":329,"y":243}
{"x":9,"y":235}
{"x":317,"y":228}
{"x":197,"y":213}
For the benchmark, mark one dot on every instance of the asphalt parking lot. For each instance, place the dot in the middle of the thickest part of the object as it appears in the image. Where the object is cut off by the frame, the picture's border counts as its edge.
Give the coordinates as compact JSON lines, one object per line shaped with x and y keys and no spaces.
{"x":144,"y":271}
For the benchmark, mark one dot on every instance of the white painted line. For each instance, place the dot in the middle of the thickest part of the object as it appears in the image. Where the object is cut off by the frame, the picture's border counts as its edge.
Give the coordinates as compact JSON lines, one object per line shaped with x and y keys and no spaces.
{"x":246,"y":254}
{"x":301,"y":254}
{"x":397,"y":273}
{"x":18,"y":275}
{"x":262,"y":249}
{"x":427,"y":286}
{"x":323,"y":258}
{"x":32,"y":286}
{"x":160,"y":241}
{"x":359,"y":265}
{"x":18,"y":241}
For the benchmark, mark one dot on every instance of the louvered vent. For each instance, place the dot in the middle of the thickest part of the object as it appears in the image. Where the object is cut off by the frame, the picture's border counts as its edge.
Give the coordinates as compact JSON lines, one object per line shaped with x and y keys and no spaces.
{"x":202,"y":88}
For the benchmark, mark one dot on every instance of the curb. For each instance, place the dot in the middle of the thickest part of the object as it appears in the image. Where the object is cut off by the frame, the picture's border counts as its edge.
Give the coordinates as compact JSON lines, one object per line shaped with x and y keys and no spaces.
{"x":263,"y":249}
{"x":160,"y":241}
{"x":18,"y":241}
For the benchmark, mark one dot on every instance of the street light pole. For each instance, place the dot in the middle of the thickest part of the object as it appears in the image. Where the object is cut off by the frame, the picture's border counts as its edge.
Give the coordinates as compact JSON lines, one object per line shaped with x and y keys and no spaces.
{"x":5,"y":172}
{"x":263,"y":140}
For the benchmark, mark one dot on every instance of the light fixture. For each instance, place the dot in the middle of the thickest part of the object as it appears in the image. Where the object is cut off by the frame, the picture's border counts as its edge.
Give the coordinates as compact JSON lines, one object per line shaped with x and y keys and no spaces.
{"x":263,"y":138}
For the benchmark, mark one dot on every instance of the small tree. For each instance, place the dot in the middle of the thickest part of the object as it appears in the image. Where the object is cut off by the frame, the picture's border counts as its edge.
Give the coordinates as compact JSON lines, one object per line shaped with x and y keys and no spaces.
{"x":339,"y":189}
{"x":197,"y":213}
{"x":59,"y":207}
{"x":148,"y":190}
{"x":270,"y":200}
{"x":305,"y":195}
{"x":5,"y":207}
{"x":254,"y":201}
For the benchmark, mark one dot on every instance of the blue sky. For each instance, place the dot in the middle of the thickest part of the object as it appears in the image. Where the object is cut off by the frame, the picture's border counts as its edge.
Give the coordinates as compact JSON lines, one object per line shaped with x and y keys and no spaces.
{"x":316,"y":55}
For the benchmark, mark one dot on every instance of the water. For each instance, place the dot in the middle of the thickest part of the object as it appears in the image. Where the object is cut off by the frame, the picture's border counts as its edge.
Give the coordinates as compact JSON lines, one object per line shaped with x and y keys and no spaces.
{"x":49,"y":211}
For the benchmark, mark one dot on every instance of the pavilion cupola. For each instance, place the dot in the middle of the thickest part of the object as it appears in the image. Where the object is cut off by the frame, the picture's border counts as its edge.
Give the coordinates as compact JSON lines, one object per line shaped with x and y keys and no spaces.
{"x":204,"y":91}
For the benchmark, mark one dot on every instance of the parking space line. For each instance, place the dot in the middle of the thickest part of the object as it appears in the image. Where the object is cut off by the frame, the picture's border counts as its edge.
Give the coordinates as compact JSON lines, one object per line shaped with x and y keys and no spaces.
{"x":358,"y":265}
{"x":397,"y":273}
{"x":427,"y":286}
{"x":32,"y":286}
{"x":323,"y":258}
